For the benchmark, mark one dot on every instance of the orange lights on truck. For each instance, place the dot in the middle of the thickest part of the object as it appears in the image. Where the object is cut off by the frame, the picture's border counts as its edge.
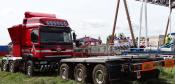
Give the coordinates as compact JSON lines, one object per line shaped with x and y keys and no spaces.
{"x":168,"y":63}
{"x":146,"y":66}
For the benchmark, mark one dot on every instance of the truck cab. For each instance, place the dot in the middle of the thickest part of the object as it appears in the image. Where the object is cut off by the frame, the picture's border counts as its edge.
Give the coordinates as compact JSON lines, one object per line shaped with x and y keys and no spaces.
{"x":40,"y":42}
{"x":41,"y":36}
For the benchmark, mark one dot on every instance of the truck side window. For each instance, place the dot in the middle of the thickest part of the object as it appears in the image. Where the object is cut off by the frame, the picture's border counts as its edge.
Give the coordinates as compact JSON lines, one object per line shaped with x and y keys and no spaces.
{"x":34,"y":36}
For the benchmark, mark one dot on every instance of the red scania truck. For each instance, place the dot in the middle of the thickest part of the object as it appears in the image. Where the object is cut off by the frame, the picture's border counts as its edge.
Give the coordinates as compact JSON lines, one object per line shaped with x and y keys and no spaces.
{"x":46,"y":43}
{"x":39,"y":43}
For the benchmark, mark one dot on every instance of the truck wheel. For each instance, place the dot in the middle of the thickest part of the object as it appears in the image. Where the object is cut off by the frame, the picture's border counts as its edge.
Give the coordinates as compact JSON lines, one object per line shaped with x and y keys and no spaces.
{"x":64,"y":71}
{"x":1,"y":65}
{"x":156,"y":74}
{"x":12,"y":67}
{"x":29,"y":69}
{"x":4,"y":66}
{"x":100,"y":74}
{"x":80,"y":74}
{"x":150,"y":75}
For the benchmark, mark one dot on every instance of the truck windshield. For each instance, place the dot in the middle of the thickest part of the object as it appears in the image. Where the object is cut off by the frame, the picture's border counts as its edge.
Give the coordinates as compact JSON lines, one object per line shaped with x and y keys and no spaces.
{"x":55,"y":35}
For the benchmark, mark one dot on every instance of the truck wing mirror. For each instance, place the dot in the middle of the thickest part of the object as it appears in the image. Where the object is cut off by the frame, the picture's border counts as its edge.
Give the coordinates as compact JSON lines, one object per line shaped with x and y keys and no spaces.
{"x":77,"y":42}
{"x":74,"y":36}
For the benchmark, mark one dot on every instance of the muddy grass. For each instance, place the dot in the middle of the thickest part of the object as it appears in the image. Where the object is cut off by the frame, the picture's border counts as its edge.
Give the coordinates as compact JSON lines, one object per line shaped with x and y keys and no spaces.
{"x":167,"y":77}
{"x":20,"y":78}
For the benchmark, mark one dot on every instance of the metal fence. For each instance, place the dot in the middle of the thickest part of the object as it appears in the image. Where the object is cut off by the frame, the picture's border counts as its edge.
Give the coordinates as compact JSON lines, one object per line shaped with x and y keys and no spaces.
{"x":102,"y":50}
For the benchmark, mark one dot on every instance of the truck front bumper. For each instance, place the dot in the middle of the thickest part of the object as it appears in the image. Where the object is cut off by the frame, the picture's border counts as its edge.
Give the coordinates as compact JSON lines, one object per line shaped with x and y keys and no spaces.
{"x":45,"y":66}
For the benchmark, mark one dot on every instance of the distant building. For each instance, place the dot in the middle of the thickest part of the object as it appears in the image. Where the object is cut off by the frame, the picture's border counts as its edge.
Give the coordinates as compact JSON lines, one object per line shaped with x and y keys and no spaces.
{"x":89,"y":41}
{"x":155,"y":41}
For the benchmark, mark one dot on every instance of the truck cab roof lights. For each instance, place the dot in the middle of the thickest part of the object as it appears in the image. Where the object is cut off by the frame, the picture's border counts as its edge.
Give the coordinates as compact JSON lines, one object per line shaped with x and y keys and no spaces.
{"x":35,"y":14}
{"x":56,"y":23}
{"x":46,"y":21}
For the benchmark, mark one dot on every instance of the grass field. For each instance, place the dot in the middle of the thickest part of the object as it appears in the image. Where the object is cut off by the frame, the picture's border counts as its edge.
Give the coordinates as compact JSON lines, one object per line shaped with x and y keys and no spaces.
{"x":168,"y":74}
{"x":167,"y":77}
{"x":20,"y":78}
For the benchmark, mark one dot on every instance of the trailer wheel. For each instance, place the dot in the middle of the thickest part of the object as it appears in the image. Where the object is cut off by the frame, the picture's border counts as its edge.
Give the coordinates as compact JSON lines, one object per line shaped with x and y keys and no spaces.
{"x":80,"y":74}
{"x":12,"y":67}
{"x":100,"y":74}
{"x":64,"y":71}
{"x":29,"y":69}
{"x":156,"y":74}
{"x":1,"y":65}
{"x":150,"y":75}
{"x":4,"y":66}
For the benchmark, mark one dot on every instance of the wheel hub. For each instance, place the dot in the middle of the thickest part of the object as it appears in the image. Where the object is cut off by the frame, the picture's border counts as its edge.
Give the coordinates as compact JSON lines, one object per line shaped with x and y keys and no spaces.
{"x":99,"y":76}
{"x":79,"y":75}
{"x":11,"y":68}
{"x":4,"y":67}
{"x":29,"y":71}
{"x":63,"y":75}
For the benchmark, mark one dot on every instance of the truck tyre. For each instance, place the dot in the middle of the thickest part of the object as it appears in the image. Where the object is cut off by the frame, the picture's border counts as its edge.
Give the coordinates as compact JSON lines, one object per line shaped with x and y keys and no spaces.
{"x":100,"y":74}
{"x":4,"y":66}
{"x":150,"y":75}
{"x":156,"y":74}
{"x":80,"y":74}
{"x":29,"y":69}
{"x":12,"y":67}
{"x":64,"y":71}
{"x":1,"y":65}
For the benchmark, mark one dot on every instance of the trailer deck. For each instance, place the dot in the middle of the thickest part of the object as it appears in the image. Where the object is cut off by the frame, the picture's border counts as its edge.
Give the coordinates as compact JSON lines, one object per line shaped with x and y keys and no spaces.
{"x":103,"y":59}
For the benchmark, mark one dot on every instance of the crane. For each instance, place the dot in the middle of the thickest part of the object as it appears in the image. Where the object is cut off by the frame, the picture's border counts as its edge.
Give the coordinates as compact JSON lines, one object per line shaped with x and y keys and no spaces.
{"x":155,"y":2}
{"x":129,"y":22}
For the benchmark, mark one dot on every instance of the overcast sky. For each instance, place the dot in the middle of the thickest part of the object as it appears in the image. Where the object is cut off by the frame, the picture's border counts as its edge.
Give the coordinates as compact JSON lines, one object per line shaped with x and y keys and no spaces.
{"x":87,"y":17}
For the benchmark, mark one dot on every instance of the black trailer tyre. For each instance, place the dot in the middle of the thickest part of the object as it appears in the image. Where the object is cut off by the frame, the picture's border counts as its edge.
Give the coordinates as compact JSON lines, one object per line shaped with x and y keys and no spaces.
{"x":29,"y":69}
{"x":80,"y":74}
{"x":150,"y":75}
{"x":156,"y":74}
{"x":4,"y":66}
{"x":12,"y":67}
{"x":100,"y":74}
{"x":64,"y":71}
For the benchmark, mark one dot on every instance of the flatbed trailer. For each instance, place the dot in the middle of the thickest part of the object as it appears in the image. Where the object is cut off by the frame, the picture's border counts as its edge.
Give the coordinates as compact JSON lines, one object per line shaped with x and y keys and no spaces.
{"x":106,"y":69}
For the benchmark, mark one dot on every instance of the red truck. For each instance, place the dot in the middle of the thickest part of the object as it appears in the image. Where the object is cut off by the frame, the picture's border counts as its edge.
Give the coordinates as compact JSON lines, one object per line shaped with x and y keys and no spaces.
{"x":46,"y":43}
{"x":39,"y":43}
